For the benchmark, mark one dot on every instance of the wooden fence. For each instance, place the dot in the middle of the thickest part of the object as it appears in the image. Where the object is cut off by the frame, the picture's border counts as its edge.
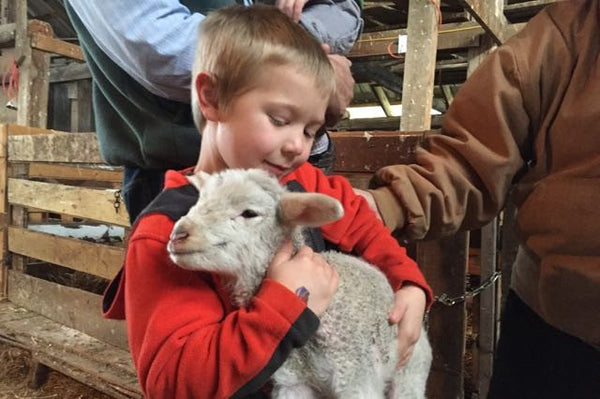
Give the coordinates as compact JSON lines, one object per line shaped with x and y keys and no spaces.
{"x":61,"y":176}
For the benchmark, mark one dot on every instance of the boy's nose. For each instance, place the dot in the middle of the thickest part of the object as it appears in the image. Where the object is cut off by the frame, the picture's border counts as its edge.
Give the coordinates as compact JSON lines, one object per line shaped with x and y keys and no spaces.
{"x":294,"y":144}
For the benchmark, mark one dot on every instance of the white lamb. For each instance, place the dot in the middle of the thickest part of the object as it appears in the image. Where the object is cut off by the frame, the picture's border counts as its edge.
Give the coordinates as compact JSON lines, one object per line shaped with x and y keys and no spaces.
{"x":239,"y":222}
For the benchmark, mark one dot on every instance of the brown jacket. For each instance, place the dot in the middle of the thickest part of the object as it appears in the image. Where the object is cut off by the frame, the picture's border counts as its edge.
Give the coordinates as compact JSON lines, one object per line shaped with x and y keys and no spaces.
{"x":530,"y":115}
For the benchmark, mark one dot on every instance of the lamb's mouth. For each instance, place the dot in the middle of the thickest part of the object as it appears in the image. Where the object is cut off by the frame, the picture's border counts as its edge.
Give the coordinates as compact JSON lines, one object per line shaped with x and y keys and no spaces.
{"x":182,"y":252}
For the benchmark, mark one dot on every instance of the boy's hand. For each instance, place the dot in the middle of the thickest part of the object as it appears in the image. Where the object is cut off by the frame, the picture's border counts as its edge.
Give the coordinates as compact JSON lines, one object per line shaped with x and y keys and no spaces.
{"x":306,"y":269}
{"x":344,"y":87}
{"x":292,"y":8}
{"x":408,"y":311}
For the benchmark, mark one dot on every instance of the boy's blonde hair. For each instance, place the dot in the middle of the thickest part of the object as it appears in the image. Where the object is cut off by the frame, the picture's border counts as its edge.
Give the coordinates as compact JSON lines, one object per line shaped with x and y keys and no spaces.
{"x":235,"y":43}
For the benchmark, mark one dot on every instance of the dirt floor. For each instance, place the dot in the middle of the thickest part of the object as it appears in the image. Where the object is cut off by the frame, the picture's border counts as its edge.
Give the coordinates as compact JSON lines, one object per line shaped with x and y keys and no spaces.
{"x":14,"y":371}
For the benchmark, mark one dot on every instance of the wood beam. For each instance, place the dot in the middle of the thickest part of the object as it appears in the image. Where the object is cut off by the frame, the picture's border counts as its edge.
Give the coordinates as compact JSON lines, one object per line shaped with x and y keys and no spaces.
{"x":56,"y":46}
{"x":490,"y":16}
{"x":451,"y":36}
{"x":7,"y":34}
{"x":383,"y":100}
{"x":384,"y":124}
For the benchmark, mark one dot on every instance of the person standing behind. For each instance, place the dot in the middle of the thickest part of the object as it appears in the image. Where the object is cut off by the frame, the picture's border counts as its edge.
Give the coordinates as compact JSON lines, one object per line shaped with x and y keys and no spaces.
{"x":528,"y":117}
{"x":140,"y":57}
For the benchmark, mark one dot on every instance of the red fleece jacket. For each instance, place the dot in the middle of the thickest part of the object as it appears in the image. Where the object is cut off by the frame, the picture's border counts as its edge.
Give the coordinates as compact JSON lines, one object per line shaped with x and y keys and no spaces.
{"x":185,"y":338}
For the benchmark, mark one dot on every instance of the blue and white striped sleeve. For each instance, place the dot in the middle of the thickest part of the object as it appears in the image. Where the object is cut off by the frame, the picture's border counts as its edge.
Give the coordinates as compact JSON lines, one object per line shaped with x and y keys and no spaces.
{"x":152,"y":40}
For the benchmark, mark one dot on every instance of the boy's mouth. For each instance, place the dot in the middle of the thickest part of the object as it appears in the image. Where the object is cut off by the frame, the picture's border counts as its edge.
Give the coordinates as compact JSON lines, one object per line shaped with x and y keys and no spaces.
{"x":275,"y":169}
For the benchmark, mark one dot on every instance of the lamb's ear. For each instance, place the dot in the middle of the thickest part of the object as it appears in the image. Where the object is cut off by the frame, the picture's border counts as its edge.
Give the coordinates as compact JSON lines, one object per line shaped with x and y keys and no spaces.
{"x":198,"y":179}
{"x":309,"y":209}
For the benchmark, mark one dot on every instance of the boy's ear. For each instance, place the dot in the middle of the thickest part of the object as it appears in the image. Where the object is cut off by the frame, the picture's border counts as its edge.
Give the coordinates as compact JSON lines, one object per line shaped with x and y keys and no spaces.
{"x":206,"y":90}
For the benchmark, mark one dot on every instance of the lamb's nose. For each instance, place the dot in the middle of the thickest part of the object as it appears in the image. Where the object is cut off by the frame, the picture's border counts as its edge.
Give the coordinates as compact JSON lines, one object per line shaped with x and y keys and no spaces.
{"x":179,"y":234}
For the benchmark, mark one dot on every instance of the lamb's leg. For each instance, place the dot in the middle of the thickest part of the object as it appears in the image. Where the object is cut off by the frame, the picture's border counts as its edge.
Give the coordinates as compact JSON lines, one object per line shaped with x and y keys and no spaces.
{"x":367,"y":390}
{"x":297,"y":391}
{"x":410,"y":382}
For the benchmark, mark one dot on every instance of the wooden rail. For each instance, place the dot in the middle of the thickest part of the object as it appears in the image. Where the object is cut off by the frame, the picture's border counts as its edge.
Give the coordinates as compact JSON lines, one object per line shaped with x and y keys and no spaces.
{"x":74,"y":158}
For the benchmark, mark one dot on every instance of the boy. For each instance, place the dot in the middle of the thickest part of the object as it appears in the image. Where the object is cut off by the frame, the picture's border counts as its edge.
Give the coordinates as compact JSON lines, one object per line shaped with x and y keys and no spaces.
{"x":261,"y":88}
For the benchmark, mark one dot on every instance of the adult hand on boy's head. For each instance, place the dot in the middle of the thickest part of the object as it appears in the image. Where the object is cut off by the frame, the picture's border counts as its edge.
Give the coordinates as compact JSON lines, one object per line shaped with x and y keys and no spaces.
{"x":292,"y":8}
{"x":408,"y":312}
{"x":344,"y":87}
{"x":305,"y":269}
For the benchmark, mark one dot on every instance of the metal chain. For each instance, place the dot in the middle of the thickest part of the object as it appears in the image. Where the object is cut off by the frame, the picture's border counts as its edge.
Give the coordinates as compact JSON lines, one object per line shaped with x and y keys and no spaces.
{"x":444,"y":299}
{"x":117,"y":201}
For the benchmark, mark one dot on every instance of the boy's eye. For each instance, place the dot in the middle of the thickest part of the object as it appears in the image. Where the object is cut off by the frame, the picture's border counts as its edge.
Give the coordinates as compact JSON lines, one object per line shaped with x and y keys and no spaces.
{"x":310,"y":134}
{"x":277,"y":121}
{"x":248,"y":214}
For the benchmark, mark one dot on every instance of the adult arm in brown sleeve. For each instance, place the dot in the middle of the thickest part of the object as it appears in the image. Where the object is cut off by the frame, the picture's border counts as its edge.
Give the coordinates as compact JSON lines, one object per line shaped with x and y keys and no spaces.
{"x":461,"y":177}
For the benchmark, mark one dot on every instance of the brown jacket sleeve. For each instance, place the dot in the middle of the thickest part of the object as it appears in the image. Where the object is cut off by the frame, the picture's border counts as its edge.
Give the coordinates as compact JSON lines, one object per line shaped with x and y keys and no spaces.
{"x":461,"y":177}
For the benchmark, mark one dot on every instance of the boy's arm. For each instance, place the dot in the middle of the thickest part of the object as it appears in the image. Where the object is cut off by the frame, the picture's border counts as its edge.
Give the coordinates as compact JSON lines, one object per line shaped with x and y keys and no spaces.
{"x":185,"y":343}
{"x":361,"y":232}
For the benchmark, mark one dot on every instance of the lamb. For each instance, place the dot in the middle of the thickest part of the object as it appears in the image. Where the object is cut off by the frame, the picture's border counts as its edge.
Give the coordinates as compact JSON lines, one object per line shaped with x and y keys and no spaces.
{"x":241,"y":219}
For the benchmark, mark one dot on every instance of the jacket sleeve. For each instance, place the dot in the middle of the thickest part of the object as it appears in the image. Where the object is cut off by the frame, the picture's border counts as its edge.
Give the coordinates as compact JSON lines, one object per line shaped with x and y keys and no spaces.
{"x":184,"y":342}
{"x":154,"y":41}
{"x":335,"y":22}
{"x":461,"y":177}
{"x":360,"y":232}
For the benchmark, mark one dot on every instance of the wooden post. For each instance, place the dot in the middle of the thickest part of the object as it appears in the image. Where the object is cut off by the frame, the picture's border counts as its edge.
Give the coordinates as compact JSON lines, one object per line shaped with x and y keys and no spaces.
{"x":417,"y":90}
{"x":32,"y":100}
{"x":444,"y":262}
{"x":3,"y":211}
{"x":7,"y":11}
{"x":488,"y":309}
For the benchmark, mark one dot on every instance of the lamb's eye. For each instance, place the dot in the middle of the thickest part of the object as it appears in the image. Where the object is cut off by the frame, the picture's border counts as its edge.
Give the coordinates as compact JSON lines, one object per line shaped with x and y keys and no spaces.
{"x":248,"y":213}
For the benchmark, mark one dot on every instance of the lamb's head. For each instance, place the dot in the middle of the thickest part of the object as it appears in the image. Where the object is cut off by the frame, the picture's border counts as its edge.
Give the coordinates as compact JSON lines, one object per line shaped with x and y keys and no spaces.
{"x":241,"y":219}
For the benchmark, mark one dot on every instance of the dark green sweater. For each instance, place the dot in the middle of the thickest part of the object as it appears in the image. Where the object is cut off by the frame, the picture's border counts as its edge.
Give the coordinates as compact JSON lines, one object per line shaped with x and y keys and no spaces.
{"x":135,"y":127}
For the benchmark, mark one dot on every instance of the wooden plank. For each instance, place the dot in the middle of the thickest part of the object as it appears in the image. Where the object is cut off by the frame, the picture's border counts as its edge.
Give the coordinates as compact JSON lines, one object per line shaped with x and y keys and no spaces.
{"x":380,"y":123}
{"x":81,"y":107}
{"x":72,"y":307}
{"x":530,"y":7}
{"x":18,"y":216}
{"x":80,"y":202}
{"x":92,"y":258}
{"x":3,"y":209}
{"x":7,"y":34}
{"x":18,"y":130}
{"x":67,"y":147}
{"x":368,"y":151}
{"x":56,"y":46}
{"x":490,"y":16}
{"x":69,"y":72}
{"x":451,"y":36}
{"x":74,"y":172}
{"x":32,"y":99}
{"x":417,"y":91}
{"x":94,"y":373}
{"x":7,"y":11}
{"x":443,"y":264}
{"x":84,"y":358}
{"x":487,"y":308}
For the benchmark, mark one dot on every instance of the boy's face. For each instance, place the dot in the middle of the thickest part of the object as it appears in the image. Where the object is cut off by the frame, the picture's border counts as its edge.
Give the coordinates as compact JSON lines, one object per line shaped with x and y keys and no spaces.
{"x":272,"y":125}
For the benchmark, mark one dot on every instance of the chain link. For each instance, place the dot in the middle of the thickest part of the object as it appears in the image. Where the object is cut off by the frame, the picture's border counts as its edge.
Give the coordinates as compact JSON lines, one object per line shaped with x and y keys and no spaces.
{"x":446,"y":300}
{"x":117,"y":201}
